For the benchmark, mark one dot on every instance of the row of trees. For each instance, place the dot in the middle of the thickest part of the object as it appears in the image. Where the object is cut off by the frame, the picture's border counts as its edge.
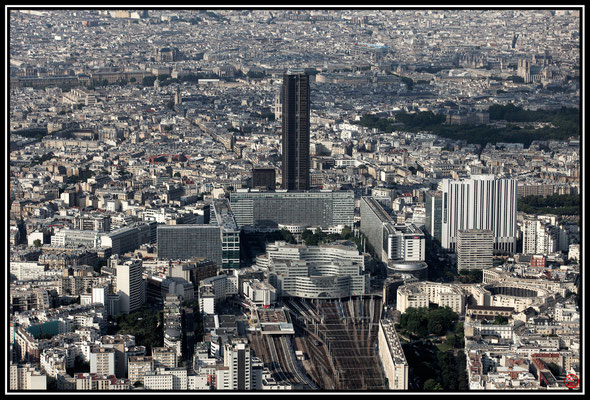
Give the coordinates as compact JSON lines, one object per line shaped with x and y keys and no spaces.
{"x":451,"y":373}
{"x":565,"y":123}
{"x":372,"y":121}
{"x":313,"y":239}
{"x":555,"y":204}
{"x":512,"y":113}
{"x":36,"y":133}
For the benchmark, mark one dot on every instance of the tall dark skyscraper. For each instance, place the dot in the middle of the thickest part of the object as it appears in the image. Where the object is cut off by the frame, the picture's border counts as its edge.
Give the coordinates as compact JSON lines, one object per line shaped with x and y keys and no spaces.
{"x":296,"y":108}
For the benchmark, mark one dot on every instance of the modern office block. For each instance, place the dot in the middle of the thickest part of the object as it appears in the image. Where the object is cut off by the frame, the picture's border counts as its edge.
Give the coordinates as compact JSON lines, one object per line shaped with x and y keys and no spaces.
{"x":416,"y":269}
{"x":130,"y":286}
{"x":390,"y":241}
{"x":76,"y":237}
{"x":296,"y":123}
{"x":373,"y":220}
{"x":322,"y":208}
{"x":218,"y":241}
{"x":539,"y":237}
{"x":90,"y":222}
{"x":433,"y":223}
{"x":230,"y":233}
{"x":129,"y":238}
{"x":404,"y":243}
{"x":481,"y":202}
{"x":475,"y":249}
{"x":183,"y":242}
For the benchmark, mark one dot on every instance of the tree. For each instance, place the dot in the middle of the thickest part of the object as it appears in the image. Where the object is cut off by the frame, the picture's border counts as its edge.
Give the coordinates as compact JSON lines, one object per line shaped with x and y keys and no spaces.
{"x":461,"y":362}
{"x":148,"y":80}
{"x":287,"y":236}
{"x":415,"y":321}
{"x":471,"y":276}
{"x":309,"y":238}
{"x":451,"y":339}
{"x":435,"y":325}
{"x":347,"y":233}
{"x":321,"y":235}
{"x":431,"y":385}
{"x":146,"y":325}
{"x":446,"y":364}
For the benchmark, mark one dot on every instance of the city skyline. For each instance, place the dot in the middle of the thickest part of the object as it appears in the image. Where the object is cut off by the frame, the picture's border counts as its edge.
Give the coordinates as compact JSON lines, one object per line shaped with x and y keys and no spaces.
{"x":310,"y":199}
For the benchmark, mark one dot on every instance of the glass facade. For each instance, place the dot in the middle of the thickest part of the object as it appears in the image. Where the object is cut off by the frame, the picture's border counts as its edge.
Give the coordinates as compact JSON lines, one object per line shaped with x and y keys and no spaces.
{"x":183,"y":242}
{"x":296,"y":121}
{"x":434,"y":214}
{"x":309,"y":208}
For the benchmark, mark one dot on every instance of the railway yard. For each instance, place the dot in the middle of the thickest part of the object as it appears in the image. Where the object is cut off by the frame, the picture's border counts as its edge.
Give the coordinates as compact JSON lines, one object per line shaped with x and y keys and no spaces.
{"x":338,"y":339}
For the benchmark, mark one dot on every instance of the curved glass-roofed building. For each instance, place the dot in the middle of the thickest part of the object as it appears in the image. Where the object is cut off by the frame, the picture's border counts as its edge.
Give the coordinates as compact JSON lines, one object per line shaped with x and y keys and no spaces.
{"x":316,"y":272}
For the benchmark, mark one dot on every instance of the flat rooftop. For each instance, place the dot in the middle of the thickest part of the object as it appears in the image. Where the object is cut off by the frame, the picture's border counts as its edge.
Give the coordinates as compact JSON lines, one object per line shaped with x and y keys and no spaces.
{"x":274,"y":322}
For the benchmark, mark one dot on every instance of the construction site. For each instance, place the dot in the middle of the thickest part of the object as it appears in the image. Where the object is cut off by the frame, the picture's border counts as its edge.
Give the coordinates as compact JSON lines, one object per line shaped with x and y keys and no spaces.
{"x":333,"y":345}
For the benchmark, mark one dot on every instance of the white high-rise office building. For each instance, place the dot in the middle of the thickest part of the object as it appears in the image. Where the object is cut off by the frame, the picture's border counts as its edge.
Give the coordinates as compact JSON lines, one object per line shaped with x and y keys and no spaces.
{"x":474,"y":249}
{"x":237,"y":371}
{"x":481,"y":202}
{"x":130,"y":286}
{"x":404,"y":242}
{"x":539,"y":237}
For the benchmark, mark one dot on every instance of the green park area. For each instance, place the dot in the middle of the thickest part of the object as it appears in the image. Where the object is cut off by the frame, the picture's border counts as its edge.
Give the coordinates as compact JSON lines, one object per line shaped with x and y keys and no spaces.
{"x":556,"y":204}
{"x":561,"y":124}
{"x":433,"y":341}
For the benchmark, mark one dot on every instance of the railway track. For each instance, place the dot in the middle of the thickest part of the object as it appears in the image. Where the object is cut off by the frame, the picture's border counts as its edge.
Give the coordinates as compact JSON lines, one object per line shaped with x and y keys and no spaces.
{"x":292,"y":361}
{"x":276,"y":364}
{"x":284,"y":363}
